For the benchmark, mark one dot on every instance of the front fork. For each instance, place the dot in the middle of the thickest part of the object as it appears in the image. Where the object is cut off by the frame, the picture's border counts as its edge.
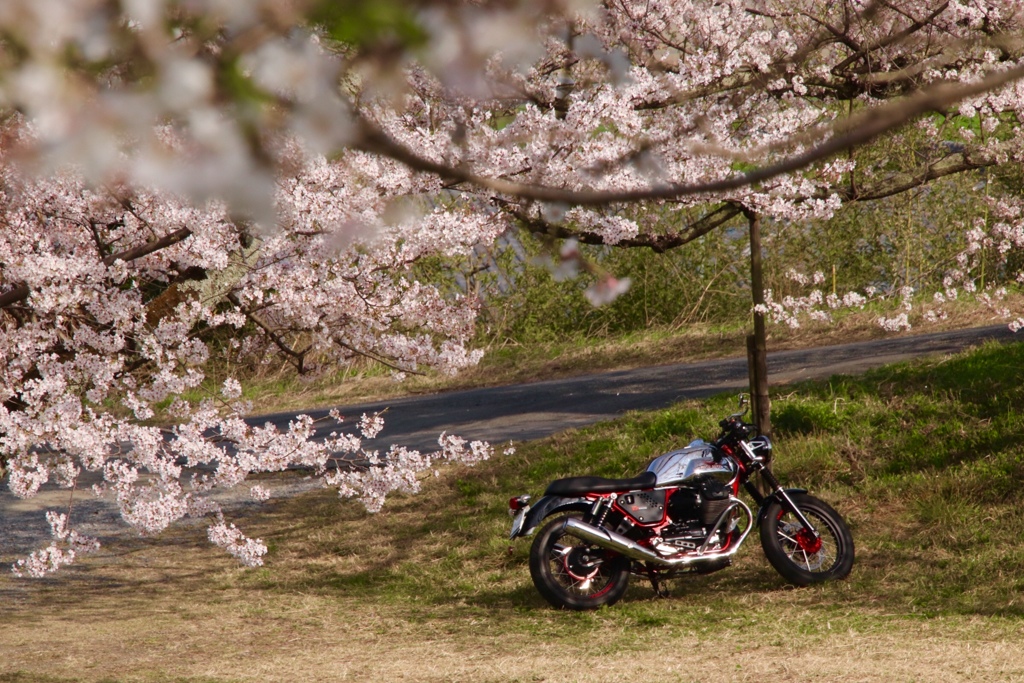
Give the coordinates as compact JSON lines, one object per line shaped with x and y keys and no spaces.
{"x":757,"y":465}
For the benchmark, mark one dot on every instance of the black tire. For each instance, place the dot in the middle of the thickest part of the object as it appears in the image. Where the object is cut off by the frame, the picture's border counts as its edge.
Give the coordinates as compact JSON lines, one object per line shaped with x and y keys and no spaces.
{"x":795,"y":554}
{"x":572,"y":574}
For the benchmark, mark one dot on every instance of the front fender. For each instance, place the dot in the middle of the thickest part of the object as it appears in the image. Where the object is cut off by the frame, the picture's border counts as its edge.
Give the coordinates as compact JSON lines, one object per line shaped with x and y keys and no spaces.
{"x":548,"y":505}
{"x":773,"y":498}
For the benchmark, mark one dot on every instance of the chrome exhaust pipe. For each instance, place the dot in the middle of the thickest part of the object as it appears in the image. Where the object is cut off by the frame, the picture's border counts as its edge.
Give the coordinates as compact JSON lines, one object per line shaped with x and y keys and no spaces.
{"x":610,"y":540}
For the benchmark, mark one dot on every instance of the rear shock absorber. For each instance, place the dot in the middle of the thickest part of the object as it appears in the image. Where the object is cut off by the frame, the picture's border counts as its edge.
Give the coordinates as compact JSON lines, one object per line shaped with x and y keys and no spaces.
{"x":599,"y":512}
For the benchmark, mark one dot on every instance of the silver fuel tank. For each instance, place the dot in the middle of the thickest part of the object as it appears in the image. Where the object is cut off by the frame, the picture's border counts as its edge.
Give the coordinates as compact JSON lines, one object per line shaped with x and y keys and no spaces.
{"x":692,"y":462}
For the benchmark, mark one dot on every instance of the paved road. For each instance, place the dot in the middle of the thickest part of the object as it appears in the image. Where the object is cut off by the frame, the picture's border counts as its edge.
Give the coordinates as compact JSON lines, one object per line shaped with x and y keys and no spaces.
{"x":532,"y":411}
{"x":519,"y":412}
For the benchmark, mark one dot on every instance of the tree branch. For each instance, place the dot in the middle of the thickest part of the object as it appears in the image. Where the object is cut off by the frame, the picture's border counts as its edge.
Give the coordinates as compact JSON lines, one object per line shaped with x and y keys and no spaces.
{"x":21,"y":291}
{"x":149,"y":247}
{"x":914,"y":27}
{"x":855,"y":131}
{"x":658,"y":243}
{"x":951,"y":165}
{"x":299,"y":356}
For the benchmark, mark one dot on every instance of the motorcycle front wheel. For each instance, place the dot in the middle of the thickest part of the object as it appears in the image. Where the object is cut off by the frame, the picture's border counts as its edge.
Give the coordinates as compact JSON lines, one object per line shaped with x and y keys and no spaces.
{"x":572,"y":574}
{"x":799,"y":556}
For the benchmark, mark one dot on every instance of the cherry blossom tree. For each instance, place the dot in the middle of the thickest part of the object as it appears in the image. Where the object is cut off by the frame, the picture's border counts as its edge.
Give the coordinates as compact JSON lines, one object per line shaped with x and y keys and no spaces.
{"x":729,"y":111}
{"x":124,"y":295}
{"x":196,"y":177}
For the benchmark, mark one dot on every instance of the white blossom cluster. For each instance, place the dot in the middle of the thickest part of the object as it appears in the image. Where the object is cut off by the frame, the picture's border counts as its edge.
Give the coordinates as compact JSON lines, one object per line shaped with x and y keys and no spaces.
{"x":397,"y":470}
{"x":248,"y":551}
{"x":125,"y":288}
{"x":67,"y":544}
{"x":816,"y":305}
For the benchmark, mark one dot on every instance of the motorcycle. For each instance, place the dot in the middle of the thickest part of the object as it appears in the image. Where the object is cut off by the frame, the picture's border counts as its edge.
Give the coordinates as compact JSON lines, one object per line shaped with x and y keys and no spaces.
{"x":682,"y":514}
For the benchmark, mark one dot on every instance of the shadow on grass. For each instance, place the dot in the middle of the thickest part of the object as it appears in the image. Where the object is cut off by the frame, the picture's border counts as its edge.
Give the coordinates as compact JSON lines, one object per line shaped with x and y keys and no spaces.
{"x":25,"y":677}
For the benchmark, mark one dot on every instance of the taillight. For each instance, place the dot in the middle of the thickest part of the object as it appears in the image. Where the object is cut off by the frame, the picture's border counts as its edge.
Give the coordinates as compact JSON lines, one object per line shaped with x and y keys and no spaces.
{"x":517,"y":503}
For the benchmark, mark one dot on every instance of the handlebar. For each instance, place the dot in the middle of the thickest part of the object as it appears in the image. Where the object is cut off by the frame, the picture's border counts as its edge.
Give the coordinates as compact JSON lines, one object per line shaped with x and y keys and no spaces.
{"x":737,"y":428}
{"x":732,"y":428}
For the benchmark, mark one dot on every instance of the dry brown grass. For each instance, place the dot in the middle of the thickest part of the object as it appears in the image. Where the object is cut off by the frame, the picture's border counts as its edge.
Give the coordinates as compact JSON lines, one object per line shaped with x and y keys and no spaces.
{"x":165,"y":624}
{"x":175,"y":609}
{"x":304,"y":639}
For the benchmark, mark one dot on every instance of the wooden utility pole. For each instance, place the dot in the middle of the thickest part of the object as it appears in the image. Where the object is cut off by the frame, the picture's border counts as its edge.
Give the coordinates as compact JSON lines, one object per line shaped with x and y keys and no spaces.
{"x":757,"y":346}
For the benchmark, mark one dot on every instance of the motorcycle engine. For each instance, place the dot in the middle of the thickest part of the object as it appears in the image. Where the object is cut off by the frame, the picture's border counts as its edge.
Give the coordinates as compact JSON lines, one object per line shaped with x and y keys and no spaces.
{"x":693,"y":511}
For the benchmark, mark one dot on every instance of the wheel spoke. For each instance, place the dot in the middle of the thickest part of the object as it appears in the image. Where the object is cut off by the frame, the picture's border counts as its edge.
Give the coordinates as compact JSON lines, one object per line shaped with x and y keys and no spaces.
{"x":570,"y":572}
{"x":783,"y":534}
{"x":566,"y":570}
{"x":820,"y":561}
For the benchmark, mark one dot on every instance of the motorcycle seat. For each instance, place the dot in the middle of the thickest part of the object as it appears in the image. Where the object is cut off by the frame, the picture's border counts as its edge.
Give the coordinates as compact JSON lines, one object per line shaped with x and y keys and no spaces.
{"x":576,"y":486}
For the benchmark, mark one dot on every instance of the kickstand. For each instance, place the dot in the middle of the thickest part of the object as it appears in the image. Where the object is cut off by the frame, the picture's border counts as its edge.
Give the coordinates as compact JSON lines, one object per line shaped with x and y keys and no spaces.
{"x":659,"y":589}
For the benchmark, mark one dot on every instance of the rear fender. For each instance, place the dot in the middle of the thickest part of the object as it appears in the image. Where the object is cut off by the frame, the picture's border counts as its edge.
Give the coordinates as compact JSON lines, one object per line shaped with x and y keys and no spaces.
{"x":549,"y":505}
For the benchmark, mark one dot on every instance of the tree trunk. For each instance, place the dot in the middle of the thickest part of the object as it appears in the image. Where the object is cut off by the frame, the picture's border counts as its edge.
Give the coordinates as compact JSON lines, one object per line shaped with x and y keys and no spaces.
{"x":757,"y":346}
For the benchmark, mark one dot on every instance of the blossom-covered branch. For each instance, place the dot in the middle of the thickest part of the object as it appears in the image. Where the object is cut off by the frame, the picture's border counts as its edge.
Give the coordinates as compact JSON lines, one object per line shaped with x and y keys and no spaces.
{"x":856,"y":131}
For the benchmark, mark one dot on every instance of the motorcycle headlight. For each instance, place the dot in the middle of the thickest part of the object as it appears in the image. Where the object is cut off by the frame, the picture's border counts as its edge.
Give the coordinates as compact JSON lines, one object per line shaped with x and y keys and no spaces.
{"x":762,"y":446}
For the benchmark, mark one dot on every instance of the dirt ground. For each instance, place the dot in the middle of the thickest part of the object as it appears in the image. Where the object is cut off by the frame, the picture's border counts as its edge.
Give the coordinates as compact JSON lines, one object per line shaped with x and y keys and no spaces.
{"x":348,"y":642}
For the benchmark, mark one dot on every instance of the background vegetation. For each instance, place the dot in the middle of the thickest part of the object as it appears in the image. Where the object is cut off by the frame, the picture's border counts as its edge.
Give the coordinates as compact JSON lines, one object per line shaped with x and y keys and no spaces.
{"x":910,"y":238}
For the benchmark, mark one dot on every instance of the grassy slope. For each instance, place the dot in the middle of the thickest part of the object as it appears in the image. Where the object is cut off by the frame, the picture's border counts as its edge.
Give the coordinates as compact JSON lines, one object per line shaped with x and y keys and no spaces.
{"x":924,"y":459}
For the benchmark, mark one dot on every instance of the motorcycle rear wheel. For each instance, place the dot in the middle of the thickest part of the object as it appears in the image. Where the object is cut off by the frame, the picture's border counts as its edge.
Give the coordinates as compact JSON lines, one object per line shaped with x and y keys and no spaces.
{"x":794,"y":552}
{"x":571,"y":574}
